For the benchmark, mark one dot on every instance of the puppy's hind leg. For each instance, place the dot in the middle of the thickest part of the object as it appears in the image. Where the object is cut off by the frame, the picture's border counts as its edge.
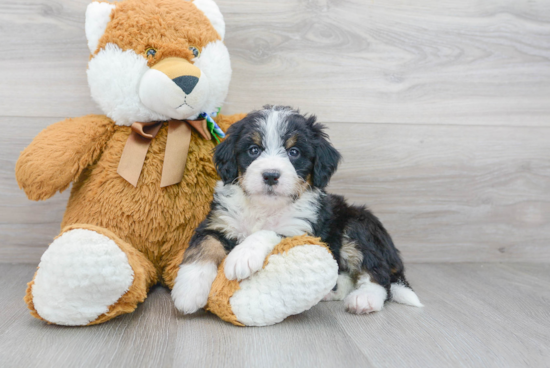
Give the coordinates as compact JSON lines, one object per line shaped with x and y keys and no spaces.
{"x":367,"y":298}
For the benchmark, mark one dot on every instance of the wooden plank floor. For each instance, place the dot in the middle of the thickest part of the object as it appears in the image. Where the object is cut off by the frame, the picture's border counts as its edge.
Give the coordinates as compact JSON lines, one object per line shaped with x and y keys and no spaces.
{"x":475,"y":315}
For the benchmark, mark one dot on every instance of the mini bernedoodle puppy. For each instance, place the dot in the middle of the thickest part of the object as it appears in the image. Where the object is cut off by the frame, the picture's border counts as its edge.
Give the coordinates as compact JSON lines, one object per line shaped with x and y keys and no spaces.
{"x":274,"y":166}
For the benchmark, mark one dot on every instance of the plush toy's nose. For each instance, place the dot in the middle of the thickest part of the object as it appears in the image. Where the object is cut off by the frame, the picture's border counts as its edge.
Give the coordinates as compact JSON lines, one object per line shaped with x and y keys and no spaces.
{"x":184,"y":74}
{"x":186,"y":83}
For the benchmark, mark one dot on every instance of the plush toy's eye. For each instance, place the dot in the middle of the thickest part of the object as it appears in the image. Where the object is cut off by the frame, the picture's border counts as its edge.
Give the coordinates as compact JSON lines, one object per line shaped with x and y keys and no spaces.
{"x":195,"y":51}
{"x":150,"y":52}
{"x":294,"y":152}
{"x":254,"y":151}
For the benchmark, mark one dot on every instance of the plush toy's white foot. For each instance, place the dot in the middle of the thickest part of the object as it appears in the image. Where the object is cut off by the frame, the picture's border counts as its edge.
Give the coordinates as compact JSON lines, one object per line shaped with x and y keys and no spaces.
{"x":367,"y":298}
{"x":290,"y":283}
{"x":80,"y":275}
{"x":344,"y":286}
{"x":249,"y":256}
{"x":192,"y":286}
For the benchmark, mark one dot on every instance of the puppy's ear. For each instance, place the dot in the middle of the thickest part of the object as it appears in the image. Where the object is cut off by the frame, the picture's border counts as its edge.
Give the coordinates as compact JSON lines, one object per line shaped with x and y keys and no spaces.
{"x":326,"y":158}
{"x":225,"y":156}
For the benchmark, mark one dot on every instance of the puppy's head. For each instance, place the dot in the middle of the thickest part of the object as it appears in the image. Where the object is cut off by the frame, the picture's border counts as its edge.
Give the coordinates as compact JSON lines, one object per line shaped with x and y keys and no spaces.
{"x":276,"y":153}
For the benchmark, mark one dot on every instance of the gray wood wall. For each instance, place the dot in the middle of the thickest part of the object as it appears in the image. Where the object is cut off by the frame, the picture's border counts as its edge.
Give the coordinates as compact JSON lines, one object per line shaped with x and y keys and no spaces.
{"x":441,"y":109}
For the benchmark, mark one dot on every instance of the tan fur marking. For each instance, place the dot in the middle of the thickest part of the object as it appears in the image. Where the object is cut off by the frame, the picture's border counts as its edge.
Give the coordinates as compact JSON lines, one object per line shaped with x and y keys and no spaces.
{"x":351,"y":256}
{"x":210,"y":250}
{"x":257,"y":138}
{"x":303,"y":186}
{"x":291,"y":141}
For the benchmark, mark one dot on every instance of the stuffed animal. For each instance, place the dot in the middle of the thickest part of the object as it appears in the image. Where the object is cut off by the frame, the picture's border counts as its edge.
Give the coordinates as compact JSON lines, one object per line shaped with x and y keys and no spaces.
{"x":143,"y":176}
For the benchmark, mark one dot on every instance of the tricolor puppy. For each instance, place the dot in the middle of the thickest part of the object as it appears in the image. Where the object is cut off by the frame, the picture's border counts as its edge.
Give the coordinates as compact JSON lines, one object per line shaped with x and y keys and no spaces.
{"x":274,"y":166}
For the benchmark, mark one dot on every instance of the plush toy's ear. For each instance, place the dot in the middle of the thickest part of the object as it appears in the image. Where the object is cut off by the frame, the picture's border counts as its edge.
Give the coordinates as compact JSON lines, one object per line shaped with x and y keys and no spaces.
{"x":225,"y":157}
{"x":213,"y":13}
{"x":98,"y":15}
{"x":326,"y":156}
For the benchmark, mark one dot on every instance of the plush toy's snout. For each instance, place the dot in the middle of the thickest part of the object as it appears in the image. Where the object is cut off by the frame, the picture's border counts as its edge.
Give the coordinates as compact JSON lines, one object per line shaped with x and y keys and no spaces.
{"x":174,"y":87}
{"x":181,"y":71}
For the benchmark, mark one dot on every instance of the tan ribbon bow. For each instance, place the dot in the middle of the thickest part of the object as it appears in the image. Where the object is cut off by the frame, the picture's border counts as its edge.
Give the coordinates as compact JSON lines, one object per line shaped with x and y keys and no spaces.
{"x":175,"y":153}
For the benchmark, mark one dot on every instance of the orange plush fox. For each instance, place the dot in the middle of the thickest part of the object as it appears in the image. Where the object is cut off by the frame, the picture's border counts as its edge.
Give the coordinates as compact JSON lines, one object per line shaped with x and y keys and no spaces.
{"x":142,"y":174}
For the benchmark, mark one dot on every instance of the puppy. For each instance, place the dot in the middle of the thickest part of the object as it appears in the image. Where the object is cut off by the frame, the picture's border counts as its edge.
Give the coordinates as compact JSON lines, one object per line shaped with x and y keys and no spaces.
{"x":274,"y":166}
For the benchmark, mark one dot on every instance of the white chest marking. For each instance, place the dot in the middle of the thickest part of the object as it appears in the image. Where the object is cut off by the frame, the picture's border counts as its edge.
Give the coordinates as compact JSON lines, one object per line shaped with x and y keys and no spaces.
{"x":239,"y":216}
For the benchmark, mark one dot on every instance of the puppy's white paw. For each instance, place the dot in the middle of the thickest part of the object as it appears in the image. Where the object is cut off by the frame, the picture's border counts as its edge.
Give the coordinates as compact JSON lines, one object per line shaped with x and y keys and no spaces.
{"x":192,"y":286}
{"x":241,"y":263}
{"x":365,"y":301}
{"x":248,"y":257}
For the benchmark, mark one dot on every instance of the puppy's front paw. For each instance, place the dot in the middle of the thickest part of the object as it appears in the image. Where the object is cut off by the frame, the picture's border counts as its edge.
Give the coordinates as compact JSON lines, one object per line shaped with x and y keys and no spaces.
{"x":243,"y":262}
{"x":192,"y":286}
{"x":364,"y":302}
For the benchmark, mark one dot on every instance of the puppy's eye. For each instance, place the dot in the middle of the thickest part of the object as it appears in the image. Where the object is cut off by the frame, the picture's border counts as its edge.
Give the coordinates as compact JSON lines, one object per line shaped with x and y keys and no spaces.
{"x":195,"y":51}
{"x":294,"y":152}
{"x":254,"y":151}
{"x":150,"y":52}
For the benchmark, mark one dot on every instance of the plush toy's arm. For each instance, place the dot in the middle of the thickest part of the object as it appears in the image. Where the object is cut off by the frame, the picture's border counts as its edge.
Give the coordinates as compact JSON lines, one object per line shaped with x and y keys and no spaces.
{"x":59,"y":153}
{"x":225,"y":121}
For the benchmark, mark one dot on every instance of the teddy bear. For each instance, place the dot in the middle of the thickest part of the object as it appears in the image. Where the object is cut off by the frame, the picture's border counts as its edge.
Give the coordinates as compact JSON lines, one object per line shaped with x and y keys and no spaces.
{"x":143,"y":178}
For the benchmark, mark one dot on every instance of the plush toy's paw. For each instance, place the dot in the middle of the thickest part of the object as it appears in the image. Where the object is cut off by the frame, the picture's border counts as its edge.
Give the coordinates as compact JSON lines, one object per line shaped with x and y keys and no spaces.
{"x":80,"y":275}
{"x":291,"y":282}
{"x":248,"y":257}
{"x":295,"y":276}
{"x":363,"y":301}
{"x":192,"y":286}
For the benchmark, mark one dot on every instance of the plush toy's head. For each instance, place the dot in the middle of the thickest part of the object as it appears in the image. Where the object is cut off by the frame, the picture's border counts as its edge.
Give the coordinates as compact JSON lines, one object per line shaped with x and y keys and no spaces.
{"x":155,"y":60}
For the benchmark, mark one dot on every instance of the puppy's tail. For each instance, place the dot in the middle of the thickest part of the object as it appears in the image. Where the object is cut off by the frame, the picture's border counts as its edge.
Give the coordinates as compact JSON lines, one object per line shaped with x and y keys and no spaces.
{"x":402,"y":293}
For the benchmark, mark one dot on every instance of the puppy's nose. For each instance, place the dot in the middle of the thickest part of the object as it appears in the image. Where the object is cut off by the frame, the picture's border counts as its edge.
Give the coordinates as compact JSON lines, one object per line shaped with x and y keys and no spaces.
{"x":186,"y":83}
{"x":271,"y":177}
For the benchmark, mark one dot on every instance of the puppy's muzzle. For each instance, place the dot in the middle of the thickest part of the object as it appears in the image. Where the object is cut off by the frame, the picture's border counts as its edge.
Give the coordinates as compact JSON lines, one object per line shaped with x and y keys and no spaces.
{"x":271,"y":178}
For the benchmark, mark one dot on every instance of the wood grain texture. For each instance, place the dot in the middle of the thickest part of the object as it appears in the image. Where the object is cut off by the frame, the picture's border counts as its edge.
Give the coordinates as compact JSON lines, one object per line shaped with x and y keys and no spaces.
{"x":445,"y":193}
{"x":397,"y":61}
{"x":475,"y":315}
{"x":440,"y":62}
